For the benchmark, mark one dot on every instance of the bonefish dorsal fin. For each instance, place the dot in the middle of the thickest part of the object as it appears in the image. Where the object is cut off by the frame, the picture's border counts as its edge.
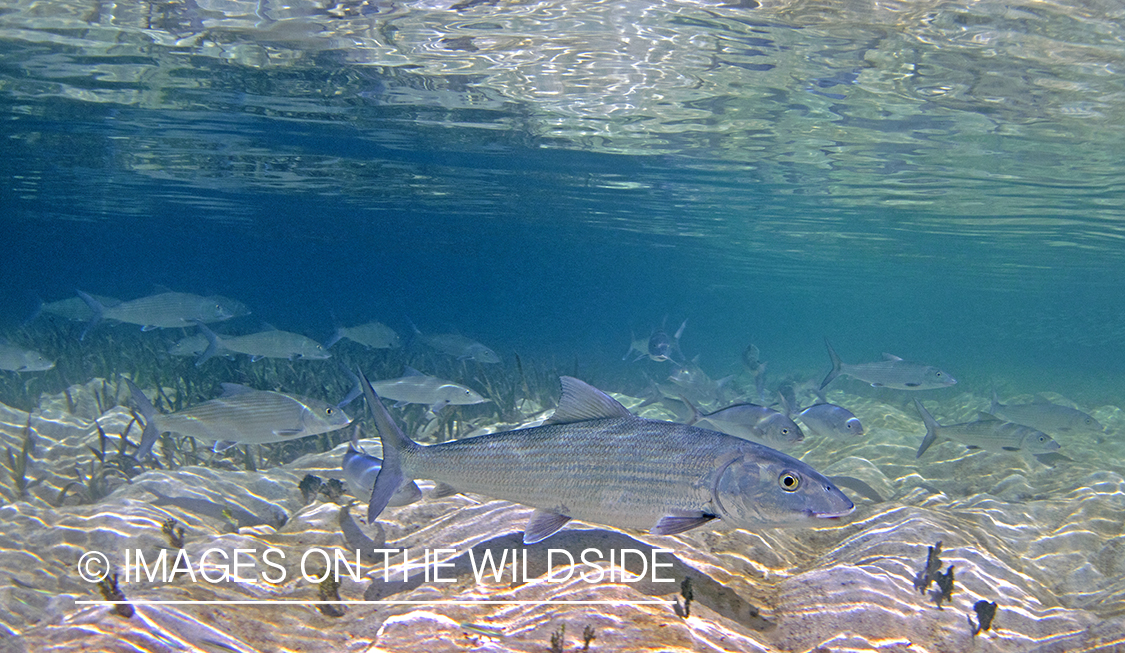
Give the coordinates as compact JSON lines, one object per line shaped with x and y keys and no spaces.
{"x":581,"y":401}
{"x":890,"y":357}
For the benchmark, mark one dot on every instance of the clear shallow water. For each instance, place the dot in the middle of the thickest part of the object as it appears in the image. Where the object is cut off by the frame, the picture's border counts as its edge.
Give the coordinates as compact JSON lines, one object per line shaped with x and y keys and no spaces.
{"x":935,"y":180}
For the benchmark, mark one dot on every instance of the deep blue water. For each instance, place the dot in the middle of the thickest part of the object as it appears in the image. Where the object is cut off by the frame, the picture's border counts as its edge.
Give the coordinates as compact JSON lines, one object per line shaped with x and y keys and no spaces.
{"x":314,"y":196}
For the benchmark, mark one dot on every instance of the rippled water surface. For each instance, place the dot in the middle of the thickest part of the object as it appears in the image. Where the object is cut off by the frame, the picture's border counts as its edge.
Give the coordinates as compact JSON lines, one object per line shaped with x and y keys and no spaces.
{"x":941,"y":181}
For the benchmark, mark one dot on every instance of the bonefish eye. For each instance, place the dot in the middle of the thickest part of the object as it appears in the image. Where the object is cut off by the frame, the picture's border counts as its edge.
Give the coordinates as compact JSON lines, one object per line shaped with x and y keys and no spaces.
{"x":789,"y":481}
{"x":329,"y":411}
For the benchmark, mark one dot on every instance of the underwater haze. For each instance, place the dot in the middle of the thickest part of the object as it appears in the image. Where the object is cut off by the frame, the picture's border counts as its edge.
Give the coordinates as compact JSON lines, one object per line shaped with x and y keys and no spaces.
{"x":722,"y":185}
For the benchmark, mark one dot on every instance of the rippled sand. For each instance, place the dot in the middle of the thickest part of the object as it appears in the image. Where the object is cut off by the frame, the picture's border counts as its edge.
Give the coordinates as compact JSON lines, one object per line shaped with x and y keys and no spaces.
{"x":1046,"y":543}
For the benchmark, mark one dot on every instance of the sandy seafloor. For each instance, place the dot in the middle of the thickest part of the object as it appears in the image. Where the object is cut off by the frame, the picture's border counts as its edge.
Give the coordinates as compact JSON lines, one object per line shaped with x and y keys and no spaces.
{"x":1045,"y":542}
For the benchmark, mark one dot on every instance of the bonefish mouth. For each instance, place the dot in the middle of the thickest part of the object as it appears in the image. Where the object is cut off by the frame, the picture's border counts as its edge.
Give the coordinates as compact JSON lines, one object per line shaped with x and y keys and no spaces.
{"x":834,"y":515}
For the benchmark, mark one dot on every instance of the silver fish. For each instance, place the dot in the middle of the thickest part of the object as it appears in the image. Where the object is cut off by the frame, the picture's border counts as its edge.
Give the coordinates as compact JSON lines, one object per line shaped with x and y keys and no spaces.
{"x":457,"y":345}
{"x":417,"y":388}
{"x":375,"y":335}
{"x":891,"y":372}
{"x":830,"y":420}
{"x":597,"y":462}
{"x":17,"y":359}
{"x":360,"y":470}
{"x":241,"y":415}
{"x":74,"y":308}
{"x":1045,"y":416}
{"x":264,"y":344}
{"x":823,"y":419}
{"x":751,"y":422}
{"x":663,"y":348}
{"x":988,"y":433}
{"x":161,"y":311}
{"x":691,"y":382}
{"x":658,"y":346}
{"x":189,"y":346}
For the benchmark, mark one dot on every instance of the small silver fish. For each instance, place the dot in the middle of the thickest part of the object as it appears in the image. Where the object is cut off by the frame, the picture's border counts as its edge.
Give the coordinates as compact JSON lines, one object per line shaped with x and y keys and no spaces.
{"x":823,"y":419}
{"x":663,"y":348}
{"x":752,"y":422}
{"x":658,"y":346}
{"x":457,"y":345}
{"x":988,"y":433}
{"x":264,"y":344}
{"x":189,"y":346}
{"x":360,"y":470}
{"x":241,"y":415}
{"x":17,"y":359}
{"x":418,"y":388}
{"x":891,"y":372}
{"x":161,"y":311}
{"x":597,"y":462}
{"x":375,"y":335}
{"x":830,"y":420}
{"x":691,"y":382}
{"x":1045,"y":416}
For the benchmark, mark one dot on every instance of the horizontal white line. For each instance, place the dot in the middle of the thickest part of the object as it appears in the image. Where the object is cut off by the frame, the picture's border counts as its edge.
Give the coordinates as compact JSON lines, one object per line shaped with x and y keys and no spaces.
{"x":297,"y":602}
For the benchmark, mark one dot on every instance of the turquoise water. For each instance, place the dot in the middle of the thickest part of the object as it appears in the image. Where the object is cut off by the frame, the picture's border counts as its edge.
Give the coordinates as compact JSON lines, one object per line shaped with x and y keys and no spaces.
{"x":937,"y":180}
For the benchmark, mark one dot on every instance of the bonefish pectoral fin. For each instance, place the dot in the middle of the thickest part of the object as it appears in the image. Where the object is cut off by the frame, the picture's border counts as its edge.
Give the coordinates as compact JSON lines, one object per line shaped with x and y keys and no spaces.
{"x":673,"y":524}
{"x":442,"y":490}
{"x":543,"y":524}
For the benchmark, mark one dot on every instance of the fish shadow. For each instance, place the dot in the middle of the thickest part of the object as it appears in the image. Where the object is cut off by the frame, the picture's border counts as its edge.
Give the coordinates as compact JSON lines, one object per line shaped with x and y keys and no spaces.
{"x":705,"y":590}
